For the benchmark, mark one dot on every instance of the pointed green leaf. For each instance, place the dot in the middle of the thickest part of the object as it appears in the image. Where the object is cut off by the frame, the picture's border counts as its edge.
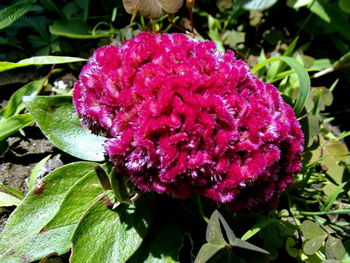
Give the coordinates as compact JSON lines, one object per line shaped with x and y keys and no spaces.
{"x":79,"y":198}
{"x":15,"y":104}
{"x":40,"y":60}
{"x":244,"y":244}
{"x":312,"y":245}
{"x":59,"y":122}
{"x":13,"y":124}
{"x":10,"y":14}
{"x":303,"y":78}
{"x":8,"y":200}
{"x":207,"y":251}
{"x":214,"y":234}
{"x":13,"y":191}
{"x":35,"y":172}
{"x":310,"y":229}
{"x":257,"y":227}
{"x":23,"y":236}
{"x":229,"y":233}
{"x":106,"y":235}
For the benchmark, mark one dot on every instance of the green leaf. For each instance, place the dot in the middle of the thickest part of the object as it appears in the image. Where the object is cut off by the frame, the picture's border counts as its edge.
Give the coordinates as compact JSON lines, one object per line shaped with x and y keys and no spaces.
{"x":21,"y":238}
{"x":214,"y":234}
{"x":8,"y":200}
{"x":244,"y":244}
{"x":15,"y":104}
{"x":59,"y":122}
{"x":257,"y":227}
{"x":10,"y":14}
{"x":106,"y":235}
{"x":344,"y":5}
{"x":311,"y":229}
{"x":76,"y":28}
{"x":255,"y":4}
{"x":39,"y":60}
{"x":13,"y":191}
{"x":292,"y":251}
{"x":303,"y":78}
{"x":207,"y":251}
{"x":334,"y":248}
{"x":13,"y":124}
{"x":318,"y":9}
{"x":35,"y":172}
{"x":157,"y":247}
{"x":328,"y":204}
{"x":79,"y":198}
{"x":312,"y":245}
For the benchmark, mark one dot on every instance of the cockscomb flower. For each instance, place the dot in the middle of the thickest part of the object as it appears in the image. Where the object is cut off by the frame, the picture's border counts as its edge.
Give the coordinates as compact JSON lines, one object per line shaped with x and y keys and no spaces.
{"x":183,"y":118}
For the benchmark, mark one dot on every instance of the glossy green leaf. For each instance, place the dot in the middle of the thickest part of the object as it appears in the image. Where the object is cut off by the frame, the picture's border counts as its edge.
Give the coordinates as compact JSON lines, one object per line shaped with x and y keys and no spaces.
{"x":76,"y":28}
{"x":35,"y":172}
{"x":214,"y":234}
{"x":39,"y":60}
{"x":312,"y":245}
{"x":12,"y":124}
{"x":12,"y":190}
{"x":21,"y":238}
{"x":303,"y":78}
{"x":206,"y":252}
{"x":311,"y":229}
{"x":8,"y":200}
{"x":79,"y":198}
{"x":15,"y":105}
{"x":10,"y":14}
{"x":157,"y":247}
{"x":256,"y":4}
{"x":106,"y":235}
{"x":59,"y":122}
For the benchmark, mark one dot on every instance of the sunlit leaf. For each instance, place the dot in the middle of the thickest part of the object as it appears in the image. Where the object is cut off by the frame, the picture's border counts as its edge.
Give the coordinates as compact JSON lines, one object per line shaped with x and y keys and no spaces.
{"x":12,"y":124}
{"x":170,"y":6}
{"x":214,"y":234}
{"x":206,"y":252}
{"x":8,"y":200}
{"x":15,"y":11}
{"x":12,"y":190}
{"x":59,"y":122}
{"x":310,"y":229}
{"x":35,"y":172}
{"x":335,"y":248}
{"x":255,"y":4}
{"x":40,"y":60}
{"x":312,"y":245}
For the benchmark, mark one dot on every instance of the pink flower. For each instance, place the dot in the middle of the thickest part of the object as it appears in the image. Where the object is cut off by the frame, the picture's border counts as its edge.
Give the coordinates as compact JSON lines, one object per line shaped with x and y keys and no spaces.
{"x":183,"y":118}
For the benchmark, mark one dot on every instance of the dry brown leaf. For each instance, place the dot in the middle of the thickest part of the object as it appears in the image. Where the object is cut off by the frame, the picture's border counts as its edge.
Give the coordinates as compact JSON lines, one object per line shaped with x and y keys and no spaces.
{"x":170,"y":6}
{"x":129,"y":5}
{"x":150,"y":9}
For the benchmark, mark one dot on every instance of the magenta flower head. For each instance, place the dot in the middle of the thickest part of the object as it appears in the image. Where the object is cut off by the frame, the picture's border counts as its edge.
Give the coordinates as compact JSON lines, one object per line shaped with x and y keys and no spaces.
{"x":183,"y":118}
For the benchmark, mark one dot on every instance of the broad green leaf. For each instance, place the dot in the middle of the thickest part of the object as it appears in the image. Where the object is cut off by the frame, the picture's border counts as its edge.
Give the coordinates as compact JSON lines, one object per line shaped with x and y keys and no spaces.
{"x":39,"y":60}
{"x":106,"y":235}
{"x":255,"y":4}
{"x":59,"y":122}
{"x":8,"y":200}
{"x":15,"y":104}
{"x":303,"y":78}
{"x":311,"y":229}
{"x":13,"y":124}
{"x":35,"y":172}
{"x":292,"y":251}
{"x":207,"y":251}
{"x":312,"y":245}
{"x":79,"y":198}
{"x":214,"y":234}
{"x":76,"y":28}
{"x":161,"y":244}
{"x":335,"y":248}
{"x":12,"y":190}
{"x":10,"y":14}
{"x":21,"y":237}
